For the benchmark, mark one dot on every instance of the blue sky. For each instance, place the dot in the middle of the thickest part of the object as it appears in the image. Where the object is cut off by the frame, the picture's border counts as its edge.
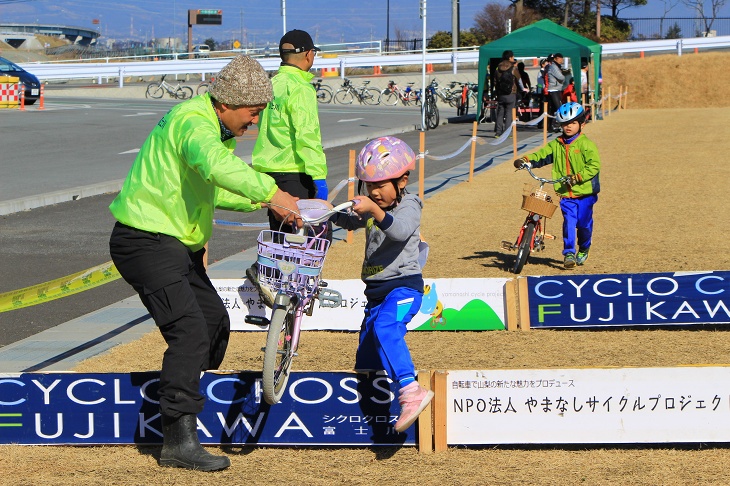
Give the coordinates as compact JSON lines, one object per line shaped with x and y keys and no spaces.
{"x":260,"y":21}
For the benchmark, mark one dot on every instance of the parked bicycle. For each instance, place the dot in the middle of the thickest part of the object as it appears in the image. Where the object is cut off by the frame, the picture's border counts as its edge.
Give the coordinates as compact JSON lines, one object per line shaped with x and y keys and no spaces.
{"x":157,"y":90}
{"x":364,"y":94}
{"x":204,"y":86}
{"x":449,"y":95}
{"x":429,"y":107}
{"x":467,"y":99}
{"x":290,"y":266}
{"x":539,"y":205}
{"x":324,"y":92}
{"x":393,"y":93}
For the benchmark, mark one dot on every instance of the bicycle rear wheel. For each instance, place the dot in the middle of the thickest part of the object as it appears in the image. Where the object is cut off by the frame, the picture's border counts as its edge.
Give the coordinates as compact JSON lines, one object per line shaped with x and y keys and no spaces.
{"x":278,"y":353}
{"x":202,"y":88}
{"x":371,"y":96}
{"x":344,"y":96}
{"x":154,"y":91}
{"x":523,"y":250}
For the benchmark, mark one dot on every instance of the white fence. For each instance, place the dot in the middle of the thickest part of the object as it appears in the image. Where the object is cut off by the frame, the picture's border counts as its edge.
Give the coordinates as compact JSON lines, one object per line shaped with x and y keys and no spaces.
{"x":205,"y":67}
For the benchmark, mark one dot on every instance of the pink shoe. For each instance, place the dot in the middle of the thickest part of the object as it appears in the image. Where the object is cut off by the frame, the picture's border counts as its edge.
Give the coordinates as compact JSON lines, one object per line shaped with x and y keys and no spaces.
{"x":413,"y":398}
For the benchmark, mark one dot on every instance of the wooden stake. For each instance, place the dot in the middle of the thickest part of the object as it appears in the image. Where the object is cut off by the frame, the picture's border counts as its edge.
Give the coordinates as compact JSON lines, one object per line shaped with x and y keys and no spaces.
{"x":524,"y":303}
{"x":510,"y":301}
{"x":440,"y":386}
{"x":473,"y":150}
{"x":350,"y":188}
{"x":425,"y":420}
{"x":514,"y":133}
{"x":422,"y":165}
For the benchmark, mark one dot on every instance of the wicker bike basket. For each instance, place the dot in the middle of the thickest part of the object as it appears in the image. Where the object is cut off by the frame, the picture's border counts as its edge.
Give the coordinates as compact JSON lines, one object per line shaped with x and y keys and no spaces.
{"x":539,"y":201}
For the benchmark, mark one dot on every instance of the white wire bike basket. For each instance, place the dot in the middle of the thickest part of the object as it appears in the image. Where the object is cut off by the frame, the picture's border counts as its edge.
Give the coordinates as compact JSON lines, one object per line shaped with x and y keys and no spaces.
{"x":290,"y":263}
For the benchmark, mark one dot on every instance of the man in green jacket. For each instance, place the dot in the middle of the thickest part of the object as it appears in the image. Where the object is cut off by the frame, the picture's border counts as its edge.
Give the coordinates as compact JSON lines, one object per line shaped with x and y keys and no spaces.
{"x":185,"y":169}
{"x":289,"y":145}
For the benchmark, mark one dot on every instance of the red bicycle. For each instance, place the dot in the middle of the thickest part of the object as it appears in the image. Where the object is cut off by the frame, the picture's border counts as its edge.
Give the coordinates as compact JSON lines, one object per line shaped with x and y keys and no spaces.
{"x":539,"y":205}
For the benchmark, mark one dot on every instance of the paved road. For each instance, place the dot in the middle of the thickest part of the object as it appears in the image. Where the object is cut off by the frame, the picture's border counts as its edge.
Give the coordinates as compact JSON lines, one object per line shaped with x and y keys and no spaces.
{"x":88,"y":143}
{"x":54,"y":241}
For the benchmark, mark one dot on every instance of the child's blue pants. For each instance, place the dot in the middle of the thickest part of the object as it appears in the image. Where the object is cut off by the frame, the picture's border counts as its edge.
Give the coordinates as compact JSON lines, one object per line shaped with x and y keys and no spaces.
{"x":577,"y":219}
{"x":382,"y":335}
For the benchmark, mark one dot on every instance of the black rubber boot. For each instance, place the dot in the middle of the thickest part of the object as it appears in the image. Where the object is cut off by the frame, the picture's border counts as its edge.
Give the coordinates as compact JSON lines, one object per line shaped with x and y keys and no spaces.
{"x":181,"y":447}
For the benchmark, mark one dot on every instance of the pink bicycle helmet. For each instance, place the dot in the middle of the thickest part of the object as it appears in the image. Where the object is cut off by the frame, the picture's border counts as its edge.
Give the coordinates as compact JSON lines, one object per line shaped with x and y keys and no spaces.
{"x":383,"y":159}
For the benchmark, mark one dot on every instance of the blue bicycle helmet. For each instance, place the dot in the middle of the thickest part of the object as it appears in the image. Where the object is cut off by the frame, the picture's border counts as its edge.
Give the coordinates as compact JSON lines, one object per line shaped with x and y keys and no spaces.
{"x":569,"y":112}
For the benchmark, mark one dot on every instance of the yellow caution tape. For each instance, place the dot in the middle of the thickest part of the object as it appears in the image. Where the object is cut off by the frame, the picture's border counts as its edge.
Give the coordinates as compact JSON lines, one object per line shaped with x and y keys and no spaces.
{"x":55,"y":289}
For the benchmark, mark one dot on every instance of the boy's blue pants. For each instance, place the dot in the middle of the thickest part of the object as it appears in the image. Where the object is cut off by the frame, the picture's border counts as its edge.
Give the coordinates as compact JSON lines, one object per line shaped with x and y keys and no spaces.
{"x":577,"y":219}
{"x":382,"y":335}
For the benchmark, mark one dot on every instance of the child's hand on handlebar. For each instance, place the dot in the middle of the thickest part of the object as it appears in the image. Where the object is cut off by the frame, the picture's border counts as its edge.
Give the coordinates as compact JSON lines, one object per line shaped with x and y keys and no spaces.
{"x":519,"y":163}
{"x":364,"y":205}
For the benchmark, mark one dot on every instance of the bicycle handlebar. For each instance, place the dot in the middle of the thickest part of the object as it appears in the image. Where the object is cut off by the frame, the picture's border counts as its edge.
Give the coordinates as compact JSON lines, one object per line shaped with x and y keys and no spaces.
{"x":319,"y":213}
{"x":541,"y":179}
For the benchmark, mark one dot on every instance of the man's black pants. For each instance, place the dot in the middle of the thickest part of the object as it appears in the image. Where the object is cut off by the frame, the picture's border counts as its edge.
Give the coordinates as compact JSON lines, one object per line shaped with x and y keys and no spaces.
{"x":172,"y":283}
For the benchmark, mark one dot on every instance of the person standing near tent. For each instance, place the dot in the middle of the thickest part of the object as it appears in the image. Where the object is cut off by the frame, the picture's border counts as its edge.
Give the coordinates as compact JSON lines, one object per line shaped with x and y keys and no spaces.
{"x":556,"y":78}
{"x":506,"y":81}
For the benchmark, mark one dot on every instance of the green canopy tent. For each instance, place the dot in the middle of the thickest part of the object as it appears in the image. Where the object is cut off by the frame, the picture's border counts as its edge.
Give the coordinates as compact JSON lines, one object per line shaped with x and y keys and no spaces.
{"x":594,"y":47}
{"x":538,"y":40}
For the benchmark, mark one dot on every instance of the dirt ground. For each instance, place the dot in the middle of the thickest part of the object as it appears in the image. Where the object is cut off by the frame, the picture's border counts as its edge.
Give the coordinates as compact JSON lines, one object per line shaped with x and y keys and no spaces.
{"x":661,"y":169}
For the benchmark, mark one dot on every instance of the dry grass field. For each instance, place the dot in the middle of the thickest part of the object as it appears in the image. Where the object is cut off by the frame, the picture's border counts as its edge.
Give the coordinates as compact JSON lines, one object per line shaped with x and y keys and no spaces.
{"x":662,"y":168}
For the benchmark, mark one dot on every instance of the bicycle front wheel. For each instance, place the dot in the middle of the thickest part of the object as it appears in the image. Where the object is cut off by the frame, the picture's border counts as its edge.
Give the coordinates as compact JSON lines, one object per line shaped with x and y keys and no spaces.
{"x":388,"y":97}
{"x":523,"y":250}
{"x":344,"y":96}
{"x":371,"y":96}
{"x":154,"y":91}
{"x":184,"y":93}
{"x":278,"y":353}
{"x":324,"y":94}
{"x":432,"y":114}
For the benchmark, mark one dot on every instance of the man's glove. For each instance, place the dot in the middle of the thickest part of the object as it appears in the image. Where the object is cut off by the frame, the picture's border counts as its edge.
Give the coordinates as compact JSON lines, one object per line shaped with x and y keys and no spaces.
{"x":322,"y":191}
{"x":519,"y":162}
{"x":572,"y":180}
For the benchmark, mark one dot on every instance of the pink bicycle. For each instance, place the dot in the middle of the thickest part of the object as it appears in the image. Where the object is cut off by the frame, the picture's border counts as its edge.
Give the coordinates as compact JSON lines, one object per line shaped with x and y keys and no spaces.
{"x":289,"y":266}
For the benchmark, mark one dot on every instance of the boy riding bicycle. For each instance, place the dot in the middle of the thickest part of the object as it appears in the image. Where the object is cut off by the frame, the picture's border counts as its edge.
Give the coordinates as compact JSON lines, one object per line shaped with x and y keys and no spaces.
{"x":574,"y":155}
{"x":391,"y":269}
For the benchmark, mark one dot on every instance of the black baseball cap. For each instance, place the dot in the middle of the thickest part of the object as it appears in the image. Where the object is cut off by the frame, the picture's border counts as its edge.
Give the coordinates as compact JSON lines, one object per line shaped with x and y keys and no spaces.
{"x":301,"y":41}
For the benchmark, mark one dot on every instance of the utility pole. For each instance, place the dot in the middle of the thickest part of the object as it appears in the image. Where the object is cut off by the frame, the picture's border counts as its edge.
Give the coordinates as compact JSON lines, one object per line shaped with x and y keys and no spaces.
{"x":455,"y":30}
{"x":283,"y":14}
{"x":387,"y":25}
{"x":423,"y":67}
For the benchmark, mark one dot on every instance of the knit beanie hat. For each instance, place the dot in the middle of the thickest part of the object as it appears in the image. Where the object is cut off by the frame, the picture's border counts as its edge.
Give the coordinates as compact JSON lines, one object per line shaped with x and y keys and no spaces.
{"x":242,"y":82}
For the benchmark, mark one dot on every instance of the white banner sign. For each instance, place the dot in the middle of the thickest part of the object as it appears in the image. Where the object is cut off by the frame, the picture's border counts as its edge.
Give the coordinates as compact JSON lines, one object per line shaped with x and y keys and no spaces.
{"x":583,"y":406}
{"x":466,"y":304}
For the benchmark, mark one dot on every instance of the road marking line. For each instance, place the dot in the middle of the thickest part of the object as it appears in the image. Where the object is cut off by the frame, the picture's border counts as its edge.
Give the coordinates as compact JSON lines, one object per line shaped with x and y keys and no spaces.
{"x":349,"y":120}
{"x":133,"y":151}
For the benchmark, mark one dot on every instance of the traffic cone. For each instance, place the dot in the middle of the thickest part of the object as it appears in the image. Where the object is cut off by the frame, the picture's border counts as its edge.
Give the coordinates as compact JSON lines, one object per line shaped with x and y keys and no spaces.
{"x":22,"y":97}
{"x":40,"y":106}
{"x":429,"y":68}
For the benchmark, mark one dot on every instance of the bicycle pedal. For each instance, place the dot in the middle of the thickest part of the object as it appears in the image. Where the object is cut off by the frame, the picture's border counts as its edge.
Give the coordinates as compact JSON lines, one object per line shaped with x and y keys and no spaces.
{"x":329,"y":298}
{"x":506,"y":245}
{"x":257,"y":320}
